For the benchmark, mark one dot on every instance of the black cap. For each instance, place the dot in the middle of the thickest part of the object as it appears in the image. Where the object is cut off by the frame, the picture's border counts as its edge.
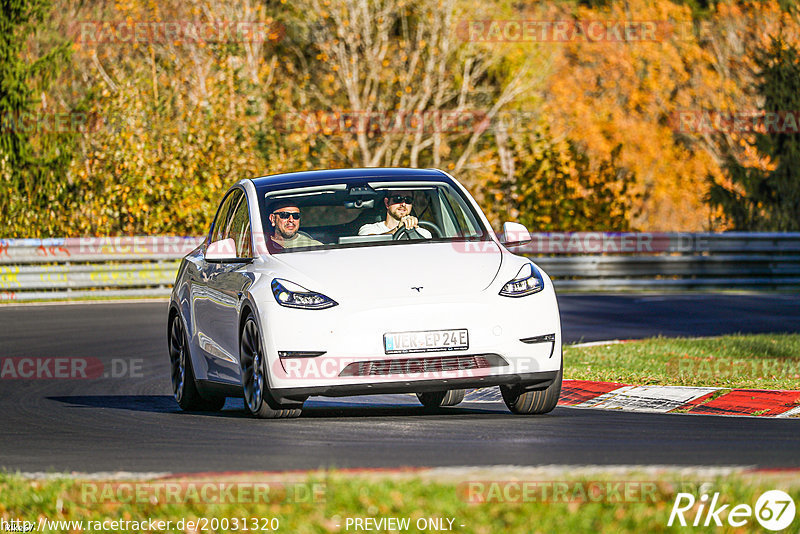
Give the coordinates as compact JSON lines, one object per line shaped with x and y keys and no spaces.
{"x":280,"y":204}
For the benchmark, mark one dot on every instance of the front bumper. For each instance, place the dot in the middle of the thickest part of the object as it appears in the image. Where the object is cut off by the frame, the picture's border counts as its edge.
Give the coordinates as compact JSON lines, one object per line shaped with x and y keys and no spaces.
{"x":521,"y":338}
{"x":526,"y":381}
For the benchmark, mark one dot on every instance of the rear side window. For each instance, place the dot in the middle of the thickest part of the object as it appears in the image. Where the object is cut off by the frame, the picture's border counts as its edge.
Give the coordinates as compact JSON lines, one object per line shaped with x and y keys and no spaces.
{"x":223,"y":215}
{"x":239,"y":228}
{"x":233,"y":222}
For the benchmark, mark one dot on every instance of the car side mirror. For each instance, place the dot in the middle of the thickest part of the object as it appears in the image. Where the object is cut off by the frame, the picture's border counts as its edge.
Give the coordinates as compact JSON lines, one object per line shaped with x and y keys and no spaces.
{"x":514,"y":234}
{"x":223,"y":250}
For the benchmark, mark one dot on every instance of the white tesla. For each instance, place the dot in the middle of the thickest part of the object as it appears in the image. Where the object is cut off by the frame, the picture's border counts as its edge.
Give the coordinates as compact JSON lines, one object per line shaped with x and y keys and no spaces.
{"x":357,"y":282}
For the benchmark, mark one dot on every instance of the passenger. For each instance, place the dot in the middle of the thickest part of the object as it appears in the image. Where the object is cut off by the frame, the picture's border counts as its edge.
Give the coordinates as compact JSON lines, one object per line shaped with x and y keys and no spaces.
{"x":285,"y":221}
{"x":398,"y":215}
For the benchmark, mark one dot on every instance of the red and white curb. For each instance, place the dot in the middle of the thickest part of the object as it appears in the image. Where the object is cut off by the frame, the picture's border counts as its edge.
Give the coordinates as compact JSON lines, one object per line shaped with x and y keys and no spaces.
{"x":669,"y":399}
{"x":680,"y":399}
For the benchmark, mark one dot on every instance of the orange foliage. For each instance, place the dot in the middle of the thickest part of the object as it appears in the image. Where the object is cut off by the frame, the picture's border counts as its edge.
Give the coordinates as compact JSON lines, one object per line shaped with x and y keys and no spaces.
{"x":605,"y":94}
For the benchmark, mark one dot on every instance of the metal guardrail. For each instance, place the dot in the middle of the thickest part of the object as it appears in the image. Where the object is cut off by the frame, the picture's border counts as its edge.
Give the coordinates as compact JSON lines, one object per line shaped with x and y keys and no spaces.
{"x":46,"y":269}
{"x":43,"y":269}
{"x":95,"y":249}
{"x":668,"y":261}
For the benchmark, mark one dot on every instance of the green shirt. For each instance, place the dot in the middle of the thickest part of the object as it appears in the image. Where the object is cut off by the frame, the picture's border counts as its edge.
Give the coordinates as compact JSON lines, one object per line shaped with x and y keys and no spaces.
{"x":300,"y":239}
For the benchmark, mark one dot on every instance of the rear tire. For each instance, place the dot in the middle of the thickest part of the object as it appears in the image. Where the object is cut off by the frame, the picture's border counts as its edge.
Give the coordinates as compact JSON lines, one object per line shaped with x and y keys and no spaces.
{"x":533,"y":402}
{"x":436,"y":399}
{"x":184,"y":387}
{"x":255,"y":381}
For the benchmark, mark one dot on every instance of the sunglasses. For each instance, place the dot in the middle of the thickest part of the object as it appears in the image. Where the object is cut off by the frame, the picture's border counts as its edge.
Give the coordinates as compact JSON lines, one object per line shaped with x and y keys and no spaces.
{"x":286,"y":214}
{"x":401,"y":199}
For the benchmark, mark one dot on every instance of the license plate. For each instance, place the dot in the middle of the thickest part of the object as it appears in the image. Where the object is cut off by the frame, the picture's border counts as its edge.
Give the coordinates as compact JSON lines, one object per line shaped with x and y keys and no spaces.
{"x":427,"y":341}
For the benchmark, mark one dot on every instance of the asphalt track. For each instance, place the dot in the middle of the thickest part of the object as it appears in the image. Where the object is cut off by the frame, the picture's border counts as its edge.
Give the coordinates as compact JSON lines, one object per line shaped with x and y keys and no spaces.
{"x":131,"y":423}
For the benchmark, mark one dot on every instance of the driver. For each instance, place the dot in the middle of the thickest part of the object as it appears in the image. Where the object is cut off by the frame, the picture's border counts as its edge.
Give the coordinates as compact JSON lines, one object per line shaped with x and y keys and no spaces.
{"x":398,"y":215}
{"x":285,"y":221}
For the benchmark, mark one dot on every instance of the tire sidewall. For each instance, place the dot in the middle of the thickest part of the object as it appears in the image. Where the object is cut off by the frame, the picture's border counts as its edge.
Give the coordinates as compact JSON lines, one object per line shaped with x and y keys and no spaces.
{"x":261,"y":400}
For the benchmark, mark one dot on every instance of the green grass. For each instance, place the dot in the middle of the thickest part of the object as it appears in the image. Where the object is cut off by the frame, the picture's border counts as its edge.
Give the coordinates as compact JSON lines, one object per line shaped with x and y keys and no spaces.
{"x":738,"y":361}
{"x":413,"y":497}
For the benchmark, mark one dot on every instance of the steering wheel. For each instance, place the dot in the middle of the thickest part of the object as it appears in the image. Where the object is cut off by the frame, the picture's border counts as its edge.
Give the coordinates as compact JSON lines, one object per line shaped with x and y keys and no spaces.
{"x":431,"y":226}
{"x":406,"y":234}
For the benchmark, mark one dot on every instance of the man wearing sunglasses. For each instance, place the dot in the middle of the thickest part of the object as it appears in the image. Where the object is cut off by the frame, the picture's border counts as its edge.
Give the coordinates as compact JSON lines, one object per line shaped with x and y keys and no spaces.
{"x":398,"y":216}
{"x":285,"y":221}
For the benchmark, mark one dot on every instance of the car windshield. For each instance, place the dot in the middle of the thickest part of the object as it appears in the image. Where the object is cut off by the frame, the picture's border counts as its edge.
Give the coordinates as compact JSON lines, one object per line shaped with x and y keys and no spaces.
{"x":365,"y":213}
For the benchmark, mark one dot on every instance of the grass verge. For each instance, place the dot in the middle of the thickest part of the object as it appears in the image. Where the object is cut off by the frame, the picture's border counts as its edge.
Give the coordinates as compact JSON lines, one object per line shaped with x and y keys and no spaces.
{"x":477,"y":502}
{"x":764,"y":361}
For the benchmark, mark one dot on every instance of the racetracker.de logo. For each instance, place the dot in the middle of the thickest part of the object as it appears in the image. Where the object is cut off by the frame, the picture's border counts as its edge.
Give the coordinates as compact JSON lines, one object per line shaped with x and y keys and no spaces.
{"x":557,"y":491}
{"x":176,"y":31}
{"x":726,"y":368}
{"x":352,"y":122}
{"x":203,"y":492}
{"x":414,"y":366}
{"x":53,"y":122}
{"x":705,"y":121}
{"x":68,"y":368}
{"x":563,"y":31}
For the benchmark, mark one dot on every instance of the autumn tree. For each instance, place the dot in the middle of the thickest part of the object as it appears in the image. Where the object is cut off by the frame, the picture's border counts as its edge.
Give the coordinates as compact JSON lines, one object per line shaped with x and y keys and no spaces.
{"x":574,"y":133}
{"x":617,"y":92}
{"x":390,"y":83}
{"x":557,"y":187}
{"x":176,"y":118}
{"x":35,"y":136}
{"x":769,"y":199}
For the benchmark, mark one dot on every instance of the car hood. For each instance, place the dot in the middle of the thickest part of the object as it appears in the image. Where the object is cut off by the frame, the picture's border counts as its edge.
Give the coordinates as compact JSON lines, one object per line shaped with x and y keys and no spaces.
{"x":394,"y":270}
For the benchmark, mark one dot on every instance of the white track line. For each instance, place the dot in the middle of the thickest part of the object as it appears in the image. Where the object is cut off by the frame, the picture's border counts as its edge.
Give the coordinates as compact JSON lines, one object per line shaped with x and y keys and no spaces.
{"x":654,"y":399}
{"x":794,"y":412}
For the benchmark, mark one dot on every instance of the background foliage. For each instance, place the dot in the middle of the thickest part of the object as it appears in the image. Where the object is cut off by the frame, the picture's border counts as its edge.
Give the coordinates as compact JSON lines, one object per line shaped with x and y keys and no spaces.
{"x":768,"y":199}
{"x":576,"y":135}
{"x":33,"y":164}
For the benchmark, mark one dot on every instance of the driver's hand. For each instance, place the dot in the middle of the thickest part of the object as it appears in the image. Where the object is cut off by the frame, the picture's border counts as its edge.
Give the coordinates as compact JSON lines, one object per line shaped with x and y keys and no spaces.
{"x":409,"y":221}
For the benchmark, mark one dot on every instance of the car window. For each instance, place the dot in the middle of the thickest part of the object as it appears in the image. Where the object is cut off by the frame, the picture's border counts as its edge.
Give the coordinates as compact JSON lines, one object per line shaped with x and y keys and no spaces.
{"x":233,"y":222}
{"x":351,"y":214}
{"x":465,"y":222}
{"x":223,"y":216}
{"x":238,"y":228}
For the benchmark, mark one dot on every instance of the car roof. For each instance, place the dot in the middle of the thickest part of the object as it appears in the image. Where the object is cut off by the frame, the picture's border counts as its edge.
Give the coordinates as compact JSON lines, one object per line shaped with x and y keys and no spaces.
{"x":322,"y":177}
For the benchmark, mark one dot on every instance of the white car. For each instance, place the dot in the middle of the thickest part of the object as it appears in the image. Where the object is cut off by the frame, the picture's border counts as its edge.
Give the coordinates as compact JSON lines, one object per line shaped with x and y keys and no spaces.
{"x":358,"y":282}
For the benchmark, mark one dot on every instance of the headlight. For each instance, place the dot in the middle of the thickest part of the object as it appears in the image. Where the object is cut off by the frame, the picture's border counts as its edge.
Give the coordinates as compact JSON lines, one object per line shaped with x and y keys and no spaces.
{"x":527,"y":282}
{"x":293,"y":295}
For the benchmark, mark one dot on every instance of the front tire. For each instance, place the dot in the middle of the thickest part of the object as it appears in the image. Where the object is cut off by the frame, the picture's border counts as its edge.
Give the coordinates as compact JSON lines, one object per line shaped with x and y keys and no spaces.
{"x":436,"y":399}
{"x":184,"y":387}
{"x":533,"y":402}
{"x":254,"y":377}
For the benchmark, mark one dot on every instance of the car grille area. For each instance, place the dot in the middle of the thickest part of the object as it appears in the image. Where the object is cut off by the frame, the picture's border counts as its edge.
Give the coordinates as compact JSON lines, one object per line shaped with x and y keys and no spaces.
{"x":431,"y":364}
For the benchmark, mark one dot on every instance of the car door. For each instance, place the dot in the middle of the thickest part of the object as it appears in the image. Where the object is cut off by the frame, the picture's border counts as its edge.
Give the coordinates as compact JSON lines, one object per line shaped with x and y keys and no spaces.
{"x":227,"y":282}
{"x":203,"y":308}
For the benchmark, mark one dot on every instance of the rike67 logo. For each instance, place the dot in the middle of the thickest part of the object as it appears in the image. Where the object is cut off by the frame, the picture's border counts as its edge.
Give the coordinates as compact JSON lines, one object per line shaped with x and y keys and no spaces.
{"x":774,"y":511}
